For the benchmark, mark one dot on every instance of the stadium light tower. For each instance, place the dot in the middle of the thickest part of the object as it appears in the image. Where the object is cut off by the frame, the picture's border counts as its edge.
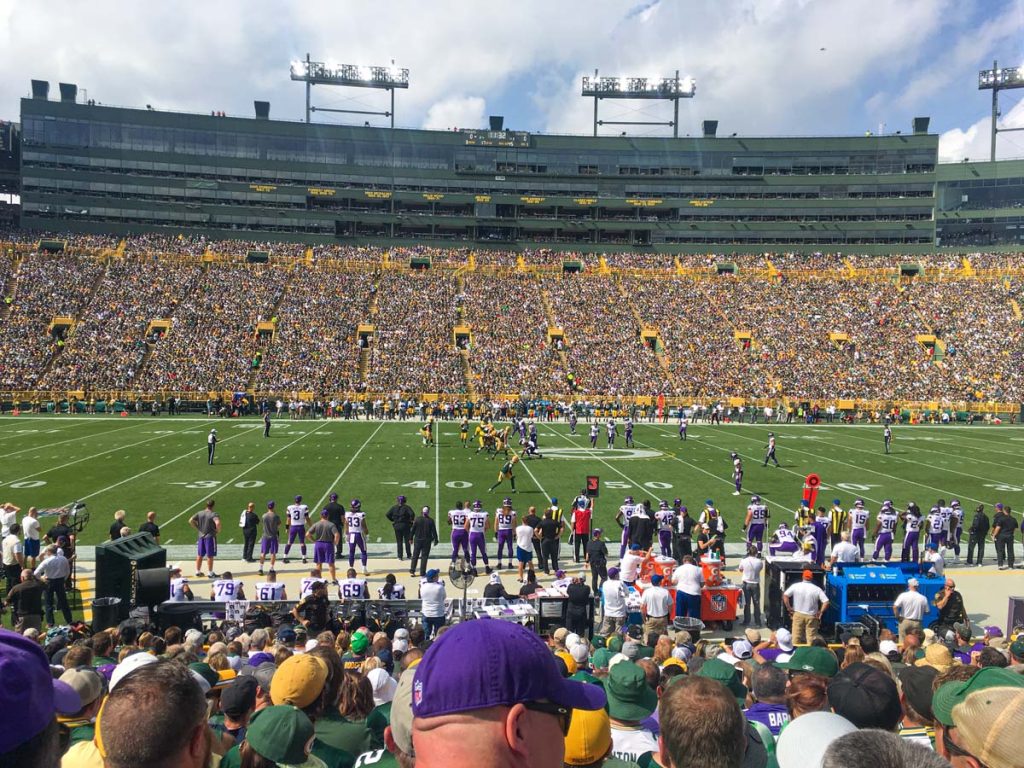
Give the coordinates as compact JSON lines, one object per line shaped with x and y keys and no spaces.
{"x":999,"y":79}
{"x":350,"y":76}
{"x":664,"y":88}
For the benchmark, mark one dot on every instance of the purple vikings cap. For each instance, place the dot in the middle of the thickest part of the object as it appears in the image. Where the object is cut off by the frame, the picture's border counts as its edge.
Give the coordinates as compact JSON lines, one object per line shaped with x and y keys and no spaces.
{"x":270,"y":505}
{"x":334,"y":497}
{"x":30,"y":691}
{"x":480,"y":664}
{"x":324,"y":513}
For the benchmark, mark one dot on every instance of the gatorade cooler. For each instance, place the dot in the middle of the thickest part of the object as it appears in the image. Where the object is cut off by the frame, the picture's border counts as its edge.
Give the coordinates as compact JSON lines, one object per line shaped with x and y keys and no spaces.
{"x":664,"y":566}
{"x":720,"y":604}
{"x":712,"y":568}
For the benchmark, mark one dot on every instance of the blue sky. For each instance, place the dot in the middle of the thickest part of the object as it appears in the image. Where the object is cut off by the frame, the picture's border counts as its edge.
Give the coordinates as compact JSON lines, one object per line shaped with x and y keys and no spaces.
{"x":763,"y":67}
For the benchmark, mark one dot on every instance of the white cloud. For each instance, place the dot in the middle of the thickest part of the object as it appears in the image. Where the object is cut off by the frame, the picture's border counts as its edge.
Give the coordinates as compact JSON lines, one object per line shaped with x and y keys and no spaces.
{"x":975,"y":141}
{"x":456,"y":112}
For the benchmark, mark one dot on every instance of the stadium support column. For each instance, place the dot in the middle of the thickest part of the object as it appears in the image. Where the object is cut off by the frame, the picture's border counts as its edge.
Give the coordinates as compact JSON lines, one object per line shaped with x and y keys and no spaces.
{"x":995,"y":116}
{"x":675,"y":116}
{"x":309,"y":86}
{"x":595,"y":107}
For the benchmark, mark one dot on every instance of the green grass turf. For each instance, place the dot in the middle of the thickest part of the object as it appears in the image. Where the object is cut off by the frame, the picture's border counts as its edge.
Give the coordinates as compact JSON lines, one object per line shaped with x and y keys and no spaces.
{"x":143,"y":463}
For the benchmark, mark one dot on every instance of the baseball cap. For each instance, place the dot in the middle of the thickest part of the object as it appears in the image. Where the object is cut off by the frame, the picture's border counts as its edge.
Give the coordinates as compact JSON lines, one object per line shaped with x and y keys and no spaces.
{"x":742,"y":650}
{"x":949,"y":695}
{"x":629,"y":696}
{"x":580,"y":653}
{"x":286,"y":635}
{"x":570,"y":663}
{"x":993,"y":631}
{"x":589,"y":738}
{"x":87,"y":683}
{"x":631,"y":650}
{"x":807,"y":575}
{"x":282,"y":734}
{"x":916,"y":683}
{"x":401,"y":712}
{"x":912,"y":582}
{"x":1017,"y":648}
{"x":752,"y":635}
{"x":299,"y":680}
{"x":263,"y":674}
{"x":560,"y":634}
{"x":359,"y":642}
{"x":384,"y":686}
{"x":726,"y":674}
{"x":130,"y":664}
{"x":479,"y":664}
{"x":784,"y":639}
{"x":802,"y":743}
{"x":601,"y":658}
{"x":865,"y":696}
{"x":885,"y":647}
{"x":29,"y":695}
{"x":937,"y":656}
{"x":239,"y":696}
{"x":990,"y":724}
{"x":810,"y":658}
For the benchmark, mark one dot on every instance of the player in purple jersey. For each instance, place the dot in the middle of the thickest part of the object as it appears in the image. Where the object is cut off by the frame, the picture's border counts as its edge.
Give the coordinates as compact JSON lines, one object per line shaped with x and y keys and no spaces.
{"x":912,"y":539}
{"x":756,"y":523}
{"x":622,"y":518}
{"x":820,"y":531}
{"x":476,"y":525}
{"x":504,"y":525}
{"x":956,"y":526}
{"x":629,"y":434}
{"x":356,"y":532}
{"x":460,"y":536}
{"x":666,"y":518}
{"x":297,"y":515}
{"x":884,"y":530}
{"x":858,"y":525}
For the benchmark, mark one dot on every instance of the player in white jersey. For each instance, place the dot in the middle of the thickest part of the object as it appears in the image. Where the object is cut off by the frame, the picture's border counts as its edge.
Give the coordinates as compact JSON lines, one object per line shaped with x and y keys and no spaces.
{"x":227,"y":588}
{"x":180,"y":590}
{"x":612,"y":430}
{"x":737,"y":473}
{"x":391,"y":590}
{"x":859,"y":517}
{"x":460,"y":536}
{"x":356,"y":532}
{"x":622,"y":518}
{"x":756,"y":522}
{"x":956,"y":526}
{"x":783,"y":541}
{"x":947,"y":515}
{"x":297,"y":514}
{"x":476,"y":525}
{"x":504,"y":527}
{"x":911,"y":540}
{"x":352,"y":587}
{"x":885,"y":530}
{"x":666,"y":519}
{"x":936,"y":526}
{"x":270,"y":589}
{"x":307,"y":583}
{"x":594,"y":432}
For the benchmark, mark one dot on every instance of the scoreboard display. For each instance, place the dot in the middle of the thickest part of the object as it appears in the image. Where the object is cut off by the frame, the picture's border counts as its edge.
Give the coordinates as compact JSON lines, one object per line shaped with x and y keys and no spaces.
{"x":483,"y":138}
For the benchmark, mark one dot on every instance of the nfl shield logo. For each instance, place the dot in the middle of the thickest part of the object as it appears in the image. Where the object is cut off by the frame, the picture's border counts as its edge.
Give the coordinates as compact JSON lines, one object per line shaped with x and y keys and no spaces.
{"x":718,"y":603}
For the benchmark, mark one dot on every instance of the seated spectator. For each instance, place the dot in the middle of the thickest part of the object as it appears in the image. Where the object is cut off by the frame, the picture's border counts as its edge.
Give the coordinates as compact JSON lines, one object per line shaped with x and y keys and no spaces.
{"x":631,"y":700}
{"x":91,"y":688}
{"x":866,"y":697}
{"x":915,"y":685}
{"x":701,"y":725}
{"x":282,"y":735}
{"x":804,"y":741}
{"x":878,"y":749}
{"x":769,"y":693}
{"x":977,"y":720}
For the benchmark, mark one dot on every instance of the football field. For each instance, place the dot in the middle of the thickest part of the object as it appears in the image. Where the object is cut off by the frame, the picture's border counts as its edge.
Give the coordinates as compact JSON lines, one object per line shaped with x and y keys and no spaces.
{"x":143,"y":463}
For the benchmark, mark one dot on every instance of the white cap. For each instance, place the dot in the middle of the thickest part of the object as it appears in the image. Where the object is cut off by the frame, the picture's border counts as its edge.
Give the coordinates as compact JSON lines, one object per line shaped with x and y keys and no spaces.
{"x":580,"y":653}
{"x":887,"y":646}
{"x":311,"y":644}
{"x":912,"y":582}
{"x":401,"y":633}
{"x":804,"y":741}
{"x":616,"y":659}
{"x":399,"y":645}
{"x":130,"y":664}
{"x":384,"y":686}
{"x":570,"y":640}
{"x":742,"y":650}
{"x":784,"y":639}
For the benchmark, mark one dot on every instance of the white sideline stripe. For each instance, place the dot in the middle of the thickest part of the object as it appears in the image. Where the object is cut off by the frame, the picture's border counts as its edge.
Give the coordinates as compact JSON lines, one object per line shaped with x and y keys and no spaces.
{"x":350,"y":462}
{"x":97,"y":455}
{"x":875,"y":472}
{"x":72,"y":439}
{"x":153,"y":469}
{"x":711,"y":444}
{"x":243,"y":473}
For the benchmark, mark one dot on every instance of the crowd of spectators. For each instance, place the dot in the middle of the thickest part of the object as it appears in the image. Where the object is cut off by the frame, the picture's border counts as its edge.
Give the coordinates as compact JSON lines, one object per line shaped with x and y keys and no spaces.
{"x":212,"y":341}
{"x":413,"y":349}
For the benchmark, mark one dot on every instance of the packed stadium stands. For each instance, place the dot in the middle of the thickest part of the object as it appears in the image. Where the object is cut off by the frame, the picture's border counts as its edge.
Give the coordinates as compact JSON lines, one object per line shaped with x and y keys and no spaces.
{"x":819,"y":327}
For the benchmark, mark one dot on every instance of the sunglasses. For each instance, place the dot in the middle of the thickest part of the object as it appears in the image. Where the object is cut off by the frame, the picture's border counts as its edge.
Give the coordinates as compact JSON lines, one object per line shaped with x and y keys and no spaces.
{"x":563,"y":714}
{"x":954,"y":749}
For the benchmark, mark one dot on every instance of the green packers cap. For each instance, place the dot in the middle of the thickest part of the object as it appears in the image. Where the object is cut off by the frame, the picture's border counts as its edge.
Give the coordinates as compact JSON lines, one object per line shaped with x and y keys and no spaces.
{"x":601,"y":658}
{"x":282,"y":734}
{"x":614,"y":644}
{"x":629,"y":696}
{"x":950,"y":694}
{"x":359,"y":642}
{"x":726,"y":674}
{"x":810,"y":658}
{"x":1017,"y":648}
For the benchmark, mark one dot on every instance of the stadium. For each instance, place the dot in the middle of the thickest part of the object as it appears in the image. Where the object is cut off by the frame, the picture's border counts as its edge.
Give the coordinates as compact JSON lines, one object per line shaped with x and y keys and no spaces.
{"x":219,"y":312}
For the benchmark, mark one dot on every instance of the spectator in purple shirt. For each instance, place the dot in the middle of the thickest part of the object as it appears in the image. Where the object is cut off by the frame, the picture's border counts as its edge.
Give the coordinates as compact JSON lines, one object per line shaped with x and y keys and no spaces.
{"x":769,"y":691}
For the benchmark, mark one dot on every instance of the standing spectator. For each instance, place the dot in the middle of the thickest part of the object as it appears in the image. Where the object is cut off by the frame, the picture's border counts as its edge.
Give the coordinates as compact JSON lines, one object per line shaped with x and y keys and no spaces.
{"x":844,"y":551}
{"x":490,"y":693}
{"x":401,"y":517}
{"x":701,"y":725}
{"x":596,"y":556}
{"x":750,"y":570}
{"x":29,"y":733}
{"x":26,"y":602}
{"x":150,"y":526}
{"x":433,"y":595}
{"x":13,"y":557}
{"x":207,"y":525}
{"x":249,"y":524}
{"x":910,"y":608}
{"x":689,"y":581}
{"x":655,"y":606}
{"x":30,"y":531}
{"x":117,"y":525}
{"x":977,"y":534}
{"x":613,"y":603}
{"x":1003,"y":526}
{"x":550,"y":535}
{"x":54,"y":571}
{"x":424,"y":535}
{"x":807,"y":602}
{"x":526,"y":541}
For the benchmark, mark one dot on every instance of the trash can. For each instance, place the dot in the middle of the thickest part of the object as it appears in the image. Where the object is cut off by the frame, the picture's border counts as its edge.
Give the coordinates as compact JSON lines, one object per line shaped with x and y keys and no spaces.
{"x":688,"y":624}
{"x":106,"y":613}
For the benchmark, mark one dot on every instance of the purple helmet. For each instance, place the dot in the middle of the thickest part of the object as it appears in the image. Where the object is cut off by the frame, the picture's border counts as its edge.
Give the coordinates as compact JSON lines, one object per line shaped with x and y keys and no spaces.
{"x":298,"y":499}
{"x":755,"y":499}
{"x":887,"y":503}
{"x":676,"y":502}
{"x":663,"y":504}
{"x":682,"y":509}
{"x":955,"y":503}
{"x":507,"y":501}
{"x":401,"y":499}
{"x":734,"y":455}
{"x":628,"y":500}
{"x":859,"y":503}
{"x":478,"y":505}
{"x":356,"y":505}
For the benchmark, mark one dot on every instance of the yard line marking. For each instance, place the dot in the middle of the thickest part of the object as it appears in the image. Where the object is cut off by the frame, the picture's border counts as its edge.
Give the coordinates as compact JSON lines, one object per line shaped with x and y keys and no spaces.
{"x":153,"y":469}
{"x":874,"y":472}
{"x":95,"y":455}
{"x":1002,"y":448}
{"x":242,"y":474}
{"x":350,"y":462}
{"x":595,"y":453}
{"x":72,"y":439}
